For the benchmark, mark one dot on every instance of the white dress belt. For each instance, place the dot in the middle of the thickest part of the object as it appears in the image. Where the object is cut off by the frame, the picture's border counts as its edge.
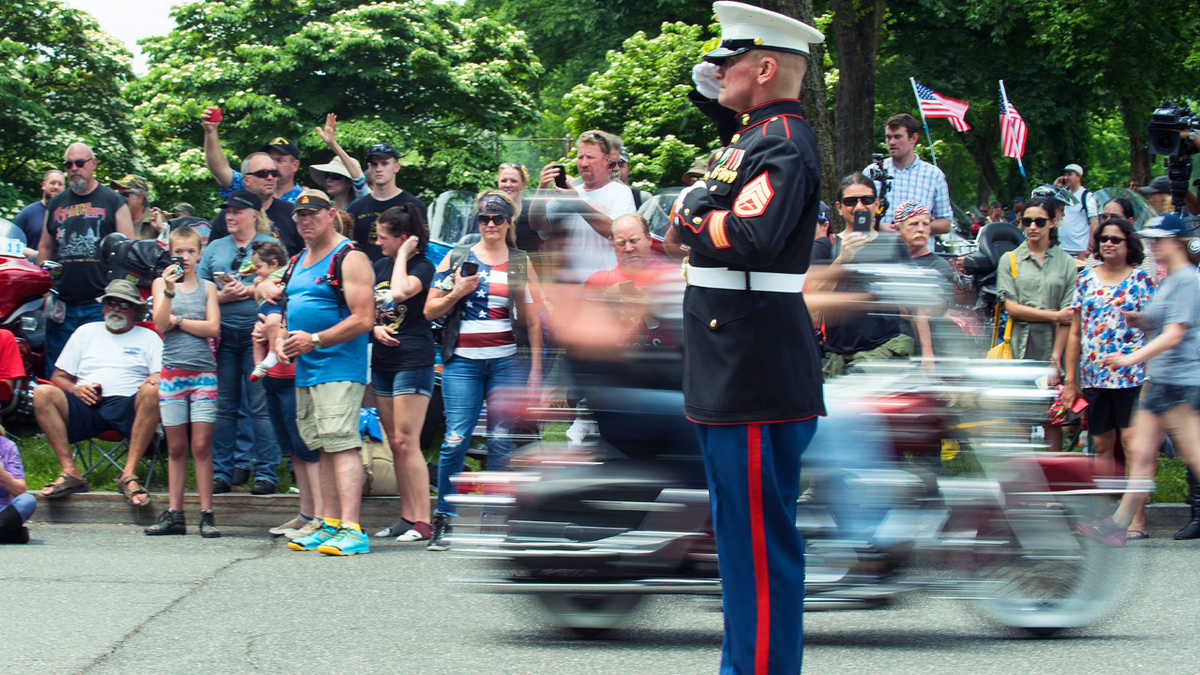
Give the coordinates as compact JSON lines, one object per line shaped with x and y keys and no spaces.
{"x":736,"y":280}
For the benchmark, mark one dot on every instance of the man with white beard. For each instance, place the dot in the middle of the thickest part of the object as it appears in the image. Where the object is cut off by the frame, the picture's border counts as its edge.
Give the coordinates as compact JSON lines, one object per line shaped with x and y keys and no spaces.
{"x":76,"y":220}
{"x":105,"y":380}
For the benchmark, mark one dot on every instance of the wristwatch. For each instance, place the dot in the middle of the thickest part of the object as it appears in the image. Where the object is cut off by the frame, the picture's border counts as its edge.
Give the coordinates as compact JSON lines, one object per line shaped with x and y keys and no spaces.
{"x":178,"y":321}
{"x":1191,"y":136}
{"x":316,"y":341}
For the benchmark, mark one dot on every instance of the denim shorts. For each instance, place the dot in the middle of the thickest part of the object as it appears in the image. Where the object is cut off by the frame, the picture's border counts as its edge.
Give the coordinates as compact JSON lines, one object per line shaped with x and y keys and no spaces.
{"x":390,"y":385}
{"x":267,"y":309}
{"x":1159,"y":397}
{"x":186,"y":396}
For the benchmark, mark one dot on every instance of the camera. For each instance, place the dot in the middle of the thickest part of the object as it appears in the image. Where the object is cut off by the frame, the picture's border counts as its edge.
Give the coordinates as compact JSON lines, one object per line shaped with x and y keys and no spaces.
{"x":880,"y":175}
{"x":1165,"y":124}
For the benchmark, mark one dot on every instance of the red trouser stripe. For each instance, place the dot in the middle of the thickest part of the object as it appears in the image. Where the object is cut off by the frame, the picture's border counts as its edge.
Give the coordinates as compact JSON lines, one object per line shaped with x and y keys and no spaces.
{"x":758,"y":538}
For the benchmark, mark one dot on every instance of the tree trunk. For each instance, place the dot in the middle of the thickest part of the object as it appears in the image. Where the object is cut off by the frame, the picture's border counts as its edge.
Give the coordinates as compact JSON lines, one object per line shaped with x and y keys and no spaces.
{"x":979,"y":144}
{"x":856,"y":26}
{"x":1135,"y":125}
{"x":813,"y":95}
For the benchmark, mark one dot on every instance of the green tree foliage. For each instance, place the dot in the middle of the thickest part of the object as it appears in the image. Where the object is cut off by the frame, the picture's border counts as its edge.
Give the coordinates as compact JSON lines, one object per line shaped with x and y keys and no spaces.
{"x":60,"y":82}
{"x":642,"y":97}
{"x":437,"y":88}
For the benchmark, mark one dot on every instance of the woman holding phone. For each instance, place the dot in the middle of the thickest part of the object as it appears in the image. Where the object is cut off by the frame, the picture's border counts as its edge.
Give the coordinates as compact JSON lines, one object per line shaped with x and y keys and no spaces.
{"x":187,"y":315}
{"x":487,"y":292}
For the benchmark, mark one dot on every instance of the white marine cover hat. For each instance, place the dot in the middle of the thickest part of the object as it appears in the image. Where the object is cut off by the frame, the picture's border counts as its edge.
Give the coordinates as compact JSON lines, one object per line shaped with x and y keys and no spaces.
{"x":745,"y":27}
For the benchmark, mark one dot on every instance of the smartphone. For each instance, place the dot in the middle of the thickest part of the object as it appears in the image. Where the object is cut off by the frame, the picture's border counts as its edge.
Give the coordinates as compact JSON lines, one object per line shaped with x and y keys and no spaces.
{"x":561,"y":179}
{"x":862,"y":221}
{"x":627,"y":288}
{"x":214,"y":114}
{"x":223,"y":277}
{"x":469,"y":269}
{"x":177,"y":262}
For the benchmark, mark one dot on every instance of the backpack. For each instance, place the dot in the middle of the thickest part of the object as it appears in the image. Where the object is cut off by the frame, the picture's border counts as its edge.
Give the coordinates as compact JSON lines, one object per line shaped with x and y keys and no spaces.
{"x":139,"y":261}
{"x":518,"y":266}
{"x":333,"y":277}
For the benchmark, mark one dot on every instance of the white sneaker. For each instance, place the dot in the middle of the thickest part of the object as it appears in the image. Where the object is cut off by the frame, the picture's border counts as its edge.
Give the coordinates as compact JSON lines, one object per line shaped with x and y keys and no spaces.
{"x":419,"y":532}
{"x":290,"y":526}
{"x":309,"y":527}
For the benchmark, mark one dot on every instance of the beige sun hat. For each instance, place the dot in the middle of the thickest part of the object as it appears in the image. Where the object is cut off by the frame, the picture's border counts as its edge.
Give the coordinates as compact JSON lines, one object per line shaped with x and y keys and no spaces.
{"x":318,"y":171}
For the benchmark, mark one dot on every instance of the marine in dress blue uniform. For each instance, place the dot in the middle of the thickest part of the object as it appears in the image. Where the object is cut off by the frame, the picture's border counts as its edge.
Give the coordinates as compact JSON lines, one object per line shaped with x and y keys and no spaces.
{"x":752,"y":376}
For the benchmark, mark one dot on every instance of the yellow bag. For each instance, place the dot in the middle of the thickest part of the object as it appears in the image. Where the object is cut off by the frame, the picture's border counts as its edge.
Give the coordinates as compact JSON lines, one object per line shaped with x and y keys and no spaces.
{"x":1004,"y":349}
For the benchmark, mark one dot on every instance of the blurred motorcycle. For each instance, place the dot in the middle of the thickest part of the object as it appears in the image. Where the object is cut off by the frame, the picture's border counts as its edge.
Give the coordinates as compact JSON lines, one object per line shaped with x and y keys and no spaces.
{"x":23,"y":286}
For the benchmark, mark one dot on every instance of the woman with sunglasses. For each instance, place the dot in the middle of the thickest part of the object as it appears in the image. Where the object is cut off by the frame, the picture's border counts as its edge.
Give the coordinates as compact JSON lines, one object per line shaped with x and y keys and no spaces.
{"x":342,"y":178}
{"x":512,"y":179}
{"x":1171,"y":397}
{"x":1039,"y":298}
{"x":1103,"y":294}
{"x":1123,"y":208}
{"x":486,"y":292}
{"x":402,"y":361}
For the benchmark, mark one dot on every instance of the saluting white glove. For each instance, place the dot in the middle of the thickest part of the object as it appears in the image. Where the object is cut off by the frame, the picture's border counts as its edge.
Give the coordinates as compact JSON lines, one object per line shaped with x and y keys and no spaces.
{"x":704,"y":75}
{"x":677,"y":207}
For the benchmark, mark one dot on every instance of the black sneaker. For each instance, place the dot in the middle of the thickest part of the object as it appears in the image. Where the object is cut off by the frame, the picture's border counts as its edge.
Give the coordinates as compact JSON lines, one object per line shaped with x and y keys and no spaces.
{"x":208,"y":526}
{"x":440,"y":540}
{"x":241,"y":476}
{"x":170,"y":522}
{"x":221,"y":486}
{"x":262,"y":486}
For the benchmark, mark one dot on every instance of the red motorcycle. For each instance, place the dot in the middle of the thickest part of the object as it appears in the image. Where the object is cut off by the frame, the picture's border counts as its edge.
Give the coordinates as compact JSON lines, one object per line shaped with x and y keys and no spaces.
{"x":23,"y":287}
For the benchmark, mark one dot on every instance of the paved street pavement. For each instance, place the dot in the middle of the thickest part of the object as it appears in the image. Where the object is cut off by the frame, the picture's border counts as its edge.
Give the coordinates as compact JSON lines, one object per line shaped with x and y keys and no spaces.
{"x":106,"y":599}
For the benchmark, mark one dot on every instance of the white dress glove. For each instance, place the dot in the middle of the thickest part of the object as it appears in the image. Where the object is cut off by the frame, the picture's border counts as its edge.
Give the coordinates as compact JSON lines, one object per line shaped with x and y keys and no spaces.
{"x":677,"y":207}
{"x":704,"y":75}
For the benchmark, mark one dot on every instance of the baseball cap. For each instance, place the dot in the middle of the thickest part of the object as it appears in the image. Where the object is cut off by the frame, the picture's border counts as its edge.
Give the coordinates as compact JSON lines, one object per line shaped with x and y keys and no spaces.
{"x":312,"y":200}
{"x":122,"y":289}
{"x":382,"y":150}
{"x":283,"y":145}
{"x":1160,"y":227}
{"x":242,"y":199}
{"x":1156,"y":186}
{"x":624,"y":155}
{"x":745,"y":27}
{"x":185,"y":207}
{"x":1073,"y":167}
{"x":132,"y":183}
{"x":1018,"y":198}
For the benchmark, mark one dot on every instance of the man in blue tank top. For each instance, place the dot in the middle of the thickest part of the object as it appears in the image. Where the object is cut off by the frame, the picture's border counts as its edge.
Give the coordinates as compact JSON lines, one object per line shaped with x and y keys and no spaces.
{"x":327,"y":340}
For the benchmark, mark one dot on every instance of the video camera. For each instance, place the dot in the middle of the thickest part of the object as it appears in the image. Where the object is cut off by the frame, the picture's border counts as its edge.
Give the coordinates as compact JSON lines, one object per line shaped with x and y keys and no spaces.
{"x":880,"y":175}
{"x":1164,"y":139}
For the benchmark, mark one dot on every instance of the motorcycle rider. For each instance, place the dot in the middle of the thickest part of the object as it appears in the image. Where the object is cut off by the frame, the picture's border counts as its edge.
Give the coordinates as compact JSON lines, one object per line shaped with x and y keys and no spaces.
{"x":752,"y":379}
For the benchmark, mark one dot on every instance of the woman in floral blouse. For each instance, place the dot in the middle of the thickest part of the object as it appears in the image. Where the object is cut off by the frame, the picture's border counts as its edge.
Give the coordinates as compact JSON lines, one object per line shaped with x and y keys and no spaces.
{"x":1102,"y":295}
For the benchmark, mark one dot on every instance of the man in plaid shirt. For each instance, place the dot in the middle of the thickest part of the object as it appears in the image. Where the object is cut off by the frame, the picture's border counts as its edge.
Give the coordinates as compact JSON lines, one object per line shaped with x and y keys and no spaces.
{"x":912,"y":177}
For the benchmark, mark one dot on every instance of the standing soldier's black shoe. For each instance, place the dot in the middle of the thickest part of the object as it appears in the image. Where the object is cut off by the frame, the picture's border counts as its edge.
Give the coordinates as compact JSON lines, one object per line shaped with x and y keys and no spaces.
{"x":170,"y":522}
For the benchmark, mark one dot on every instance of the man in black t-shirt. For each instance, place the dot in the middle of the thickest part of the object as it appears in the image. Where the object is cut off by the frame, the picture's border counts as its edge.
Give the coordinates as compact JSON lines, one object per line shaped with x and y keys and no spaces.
{"x":383,"y":163}
{"x":76,"y":220}
{"x":259,"y":174}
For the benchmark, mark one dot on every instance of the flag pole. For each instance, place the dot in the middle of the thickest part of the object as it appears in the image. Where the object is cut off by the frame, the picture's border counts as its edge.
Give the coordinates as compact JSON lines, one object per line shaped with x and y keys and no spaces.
{"x":928,"y":135}
{"x":1020,"y":164}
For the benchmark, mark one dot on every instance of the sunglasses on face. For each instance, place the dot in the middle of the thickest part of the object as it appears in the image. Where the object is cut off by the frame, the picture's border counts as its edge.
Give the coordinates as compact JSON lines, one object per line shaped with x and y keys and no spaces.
{"x":78,"y":163}
{"x":600,"y":140}
{"x":1111,"y":239}
{"x":851,"y":202}
{"x":492,"y":220}
{"x":273,"y":173}
{"x":118,"y":304}
{"x":1040,"y":222}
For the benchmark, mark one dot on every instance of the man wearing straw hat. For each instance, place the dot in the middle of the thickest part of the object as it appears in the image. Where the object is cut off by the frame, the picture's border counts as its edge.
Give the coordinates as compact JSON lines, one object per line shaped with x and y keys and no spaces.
{"x":752,"y":375}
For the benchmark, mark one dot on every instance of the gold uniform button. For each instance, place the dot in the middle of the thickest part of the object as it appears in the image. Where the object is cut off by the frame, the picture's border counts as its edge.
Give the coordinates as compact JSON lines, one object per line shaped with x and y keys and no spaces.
{"x":735,"y":138}
{"x":774,"y":118}
{"x":712,"y":188}
{"x":696,"y":220}
{"x":758,"y":41}
{"x":745,"y":119}
{"x":712,"y":324}
{"x":687,"y":212}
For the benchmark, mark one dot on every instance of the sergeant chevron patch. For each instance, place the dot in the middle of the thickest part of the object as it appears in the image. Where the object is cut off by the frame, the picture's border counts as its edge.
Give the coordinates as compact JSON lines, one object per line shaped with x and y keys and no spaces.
{"x":753,"y":199}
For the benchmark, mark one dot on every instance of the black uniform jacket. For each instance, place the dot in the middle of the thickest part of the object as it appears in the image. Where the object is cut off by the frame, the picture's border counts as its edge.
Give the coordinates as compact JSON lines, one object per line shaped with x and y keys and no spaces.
{"x":752,"y":356}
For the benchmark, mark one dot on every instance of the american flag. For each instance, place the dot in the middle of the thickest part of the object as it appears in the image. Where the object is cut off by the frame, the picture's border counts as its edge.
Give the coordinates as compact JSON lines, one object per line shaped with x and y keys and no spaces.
{"x":486,"y":328}
{"x":1012,"y":128}
{"x":935,"y":105}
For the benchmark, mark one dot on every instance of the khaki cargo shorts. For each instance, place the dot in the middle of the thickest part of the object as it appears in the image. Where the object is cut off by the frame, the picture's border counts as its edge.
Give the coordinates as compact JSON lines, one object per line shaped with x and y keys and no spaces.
{"x":327,"y":415}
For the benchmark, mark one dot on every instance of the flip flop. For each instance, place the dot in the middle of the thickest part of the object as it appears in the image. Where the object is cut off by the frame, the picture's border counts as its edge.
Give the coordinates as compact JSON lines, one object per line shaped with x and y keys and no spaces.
{"x":123,"y":488}
{"x":1137,"y":534}
{"x":69,"y":485}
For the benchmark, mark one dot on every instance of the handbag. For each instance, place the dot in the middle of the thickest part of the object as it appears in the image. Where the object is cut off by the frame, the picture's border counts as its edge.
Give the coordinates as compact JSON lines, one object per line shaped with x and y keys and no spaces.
{"x":1004,"y":349}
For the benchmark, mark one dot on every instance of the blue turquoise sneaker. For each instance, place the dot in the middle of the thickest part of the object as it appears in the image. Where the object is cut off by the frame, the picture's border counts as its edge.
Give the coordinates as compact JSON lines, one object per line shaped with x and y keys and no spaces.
{"x":347,"y":542}
{"x":312,"y":541}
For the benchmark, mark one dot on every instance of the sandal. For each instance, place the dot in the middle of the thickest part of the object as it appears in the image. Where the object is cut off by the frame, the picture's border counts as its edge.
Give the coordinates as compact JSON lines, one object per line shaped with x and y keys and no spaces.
{"x":64,"y":485}
{"x":123,"y":487}
{"x":1138,"y":534}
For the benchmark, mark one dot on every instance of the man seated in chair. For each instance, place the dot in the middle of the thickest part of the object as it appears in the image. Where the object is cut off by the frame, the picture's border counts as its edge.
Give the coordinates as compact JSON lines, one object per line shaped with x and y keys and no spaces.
{"x":106,"y":379}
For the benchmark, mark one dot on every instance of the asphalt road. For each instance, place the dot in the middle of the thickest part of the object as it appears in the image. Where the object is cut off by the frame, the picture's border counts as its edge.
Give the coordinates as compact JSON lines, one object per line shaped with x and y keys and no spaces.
{"x":107,"y":599}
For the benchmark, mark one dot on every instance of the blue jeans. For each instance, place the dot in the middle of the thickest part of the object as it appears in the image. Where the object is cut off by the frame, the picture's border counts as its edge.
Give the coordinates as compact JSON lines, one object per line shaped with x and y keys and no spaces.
{"x":281,"y":406}
{"x":465,"y":382}
{"x":235,"y":361}
{"x":57,"y":334}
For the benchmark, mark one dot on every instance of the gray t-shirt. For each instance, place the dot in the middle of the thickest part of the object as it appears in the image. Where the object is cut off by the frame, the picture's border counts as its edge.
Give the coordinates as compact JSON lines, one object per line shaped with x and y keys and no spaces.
{"x":1177,"y":300}
{"x":936,"y":262}
{"x":222,"y":255}
{"x":184,"y":350}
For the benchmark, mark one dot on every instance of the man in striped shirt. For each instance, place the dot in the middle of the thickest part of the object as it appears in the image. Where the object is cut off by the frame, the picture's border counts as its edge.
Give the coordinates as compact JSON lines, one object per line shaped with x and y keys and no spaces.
{"x":912,"y":177}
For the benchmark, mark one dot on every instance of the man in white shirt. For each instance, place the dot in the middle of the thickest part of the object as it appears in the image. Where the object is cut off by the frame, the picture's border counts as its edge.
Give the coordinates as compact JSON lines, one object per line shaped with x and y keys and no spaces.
{"x":1079,"y":219}
{"x":912,"y":177}
{"x":585,"y":213}
{"x":106,"y":379}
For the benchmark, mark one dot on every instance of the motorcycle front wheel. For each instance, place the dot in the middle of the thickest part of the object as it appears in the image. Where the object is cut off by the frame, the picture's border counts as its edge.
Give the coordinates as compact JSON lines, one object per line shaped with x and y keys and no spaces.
{"x":1043,"y":579}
